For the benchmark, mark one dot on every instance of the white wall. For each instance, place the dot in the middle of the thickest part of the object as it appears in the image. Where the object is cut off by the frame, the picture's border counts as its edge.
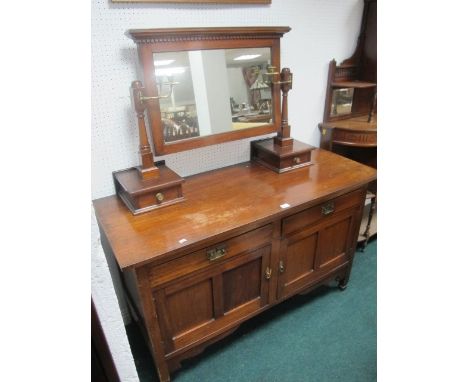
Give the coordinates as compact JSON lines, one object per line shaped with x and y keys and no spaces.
{"x":107,"y":307}
{"x":217,"y":88}
{"x":321,"y":30}
{"x":237,"y":86}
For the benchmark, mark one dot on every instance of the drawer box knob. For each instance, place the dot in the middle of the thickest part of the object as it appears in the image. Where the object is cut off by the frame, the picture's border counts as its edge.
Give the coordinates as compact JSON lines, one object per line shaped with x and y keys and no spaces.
{"x":216,"y":253}
{"x":159,"y":197}
{"x":328,"y":208}
{"x":297,"y":160}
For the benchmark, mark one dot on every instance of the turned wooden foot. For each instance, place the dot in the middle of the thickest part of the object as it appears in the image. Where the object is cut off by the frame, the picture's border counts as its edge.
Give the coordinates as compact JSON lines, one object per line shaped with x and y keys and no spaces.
{"x":342,"y":282}
{"x":163,"y":377}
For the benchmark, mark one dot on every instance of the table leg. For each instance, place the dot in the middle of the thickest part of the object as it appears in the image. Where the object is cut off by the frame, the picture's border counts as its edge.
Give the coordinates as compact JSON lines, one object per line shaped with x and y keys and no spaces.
{"x":369,"y":221}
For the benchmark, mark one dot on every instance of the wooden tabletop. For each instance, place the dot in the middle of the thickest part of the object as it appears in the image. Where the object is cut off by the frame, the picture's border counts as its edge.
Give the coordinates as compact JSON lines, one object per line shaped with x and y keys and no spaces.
{"x":224,"y":202}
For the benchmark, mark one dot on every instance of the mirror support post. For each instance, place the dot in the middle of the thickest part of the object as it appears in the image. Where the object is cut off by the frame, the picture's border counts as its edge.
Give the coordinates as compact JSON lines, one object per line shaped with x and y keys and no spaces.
{"x":147,"y":169}
{"x":282,"y":153}
{"x":284,"y":135}
{"x":146,"y":187}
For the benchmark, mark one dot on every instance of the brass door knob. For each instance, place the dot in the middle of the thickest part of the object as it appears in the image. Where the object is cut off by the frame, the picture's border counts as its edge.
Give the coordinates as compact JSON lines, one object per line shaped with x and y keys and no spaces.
{"x":268,"y":273}
{"x":281,"y":266}
{"x":160,"y":197}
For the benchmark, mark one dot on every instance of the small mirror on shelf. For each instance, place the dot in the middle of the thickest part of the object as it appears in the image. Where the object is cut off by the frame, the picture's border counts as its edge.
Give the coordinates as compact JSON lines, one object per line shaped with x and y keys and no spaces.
{"x":342,"y":101}
{"x":206,"y":92}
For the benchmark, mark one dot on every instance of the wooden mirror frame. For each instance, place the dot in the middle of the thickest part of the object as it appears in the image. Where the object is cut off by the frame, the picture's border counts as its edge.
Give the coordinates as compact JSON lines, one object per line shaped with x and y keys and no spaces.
{"x":151,"y":41}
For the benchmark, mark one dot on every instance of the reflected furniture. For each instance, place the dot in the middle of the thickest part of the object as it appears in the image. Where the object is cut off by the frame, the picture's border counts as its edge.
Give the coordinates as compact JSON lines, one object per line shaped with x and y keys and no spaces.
{"x":244,"y":238}
{"x":349,"y":126}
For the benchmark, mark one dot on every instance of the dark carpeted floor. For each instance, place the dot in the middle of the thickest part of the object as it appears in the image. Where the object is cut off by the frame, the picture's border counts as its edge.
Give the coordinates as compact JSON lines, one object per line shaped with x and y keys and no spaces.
{"x":325,"y":336}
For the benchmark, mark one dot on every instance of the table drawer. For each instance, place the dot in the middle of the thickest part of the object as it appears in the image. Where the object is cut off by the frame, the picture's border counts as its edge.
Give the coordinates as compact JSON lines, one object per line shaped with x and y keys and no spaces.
{"x":208,"y":256}
{"x":314,"y":214}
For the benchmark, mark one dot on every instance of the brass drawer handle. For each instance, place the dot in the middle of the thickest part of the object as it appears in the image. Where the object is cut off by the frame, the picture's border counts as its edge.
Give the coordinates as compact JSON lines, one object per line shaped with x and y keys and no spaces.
{"x":216,"y":253}
{"x":328,"y":208}
{"x":281,"y":266}
{"x":159,"y":197}
{"x":297,"y":160}
{"x":268,"y":273}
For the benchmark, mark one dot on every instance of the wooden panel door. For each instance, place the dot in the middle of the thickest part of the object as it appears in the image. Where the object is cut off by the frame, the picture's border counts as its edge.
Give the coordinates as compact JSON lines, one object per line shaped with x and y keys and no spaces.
{"x":204,"y":303}
{"x":309,"y":254}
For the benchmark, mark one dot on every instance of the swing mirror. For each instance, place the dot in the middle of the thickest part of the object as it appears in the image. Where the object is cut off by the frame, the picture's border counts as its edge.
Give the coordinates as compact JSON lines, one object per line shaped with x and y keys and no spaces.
{"x":209,"y":84}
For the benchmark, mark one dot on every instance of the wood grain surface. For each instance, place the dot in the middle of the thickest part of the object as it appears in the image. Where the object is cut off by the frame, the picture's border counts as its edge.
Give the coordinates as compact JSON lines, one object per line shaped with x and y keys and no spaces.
{"x":223,"y":203}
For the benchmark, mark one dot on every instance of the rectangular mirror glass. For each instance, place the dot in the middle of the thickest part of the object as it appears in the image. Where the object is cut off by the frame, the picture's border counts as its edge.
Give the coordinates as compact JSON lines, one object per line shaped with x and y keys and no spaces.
{"x":342,"y":101}
{"x":212,"y":91}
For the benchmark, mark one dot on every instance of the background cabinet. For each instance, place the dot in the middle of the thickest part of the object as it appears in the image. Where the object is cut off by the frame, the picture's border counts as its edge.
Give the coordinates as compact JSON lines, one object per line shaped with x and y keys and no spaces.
{"x":349,"y":126}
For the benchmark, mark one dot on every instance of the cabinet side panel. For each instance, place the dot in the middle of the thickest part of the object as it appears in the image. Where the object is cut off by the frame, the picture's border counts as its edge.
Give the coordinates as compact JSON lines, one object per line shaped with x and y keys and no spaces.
{"x":132,"y":289}
{"x":152,"y":324}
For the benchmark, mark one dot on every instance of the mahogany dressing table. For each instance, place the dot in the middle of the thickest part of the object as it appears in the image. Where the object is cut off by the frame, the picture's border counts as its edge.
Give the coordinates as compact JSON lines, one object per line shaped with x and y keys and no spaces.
{"x":244,"y":237}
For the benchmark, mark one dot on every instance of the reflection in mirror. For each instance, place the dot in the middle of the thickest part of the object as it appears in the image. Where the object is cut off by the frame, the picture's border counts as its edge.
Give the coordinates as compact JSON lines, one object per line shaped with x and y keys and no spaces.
{"x":342,"y":101}
{"x":213,"y":91}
